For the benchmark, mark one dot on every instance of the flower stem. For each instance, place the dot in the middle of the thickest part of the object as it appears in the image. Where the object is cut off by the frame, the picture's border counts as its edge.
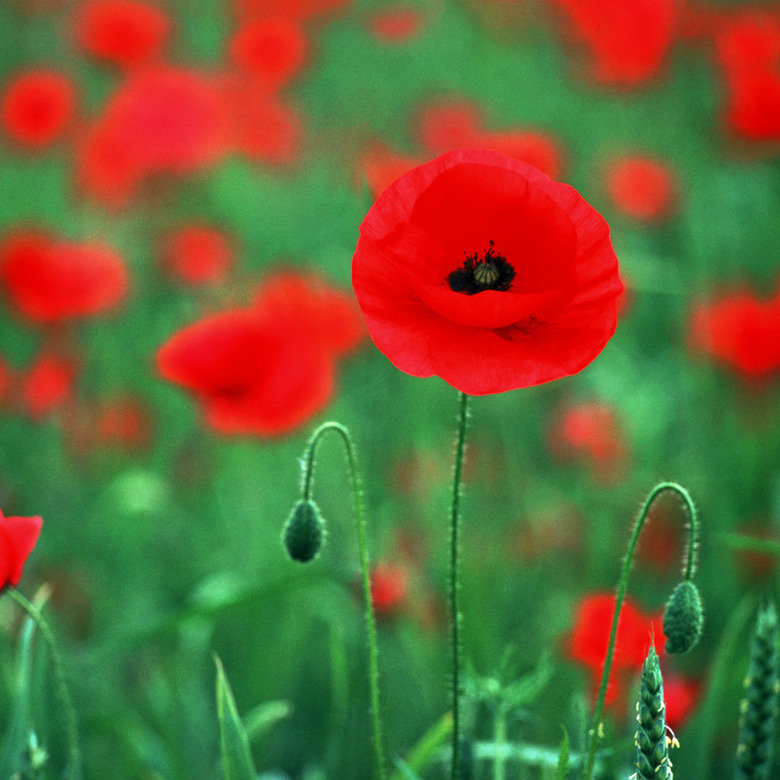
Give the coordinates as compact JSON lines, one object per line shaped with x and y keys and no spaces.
{"x":74,"y":754}
{"x":689,"y":570}
{"x":373,"y":656}
{"x":455,"y":616}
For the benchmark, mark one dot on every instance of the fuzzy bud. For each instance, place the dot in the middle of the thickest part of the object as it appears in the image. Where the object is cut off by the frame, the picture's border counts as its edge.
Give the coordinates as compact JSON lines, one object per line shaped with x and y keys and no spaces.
{"x":304,"y":532}
{"x":683,"y":618}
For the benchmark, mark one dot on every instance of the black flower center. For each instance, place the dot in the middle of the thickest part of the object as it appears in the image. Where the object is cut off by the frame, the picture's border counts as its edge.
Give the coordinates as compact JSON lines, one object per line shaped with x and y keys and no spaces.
{"x":488,"y":271}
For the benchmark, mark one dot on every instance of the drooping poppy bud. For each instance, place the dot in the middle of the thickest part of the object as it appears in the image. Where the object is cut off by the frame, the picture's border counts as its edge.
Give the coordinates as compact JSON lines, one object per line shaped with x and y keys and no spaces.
{"x":304,"y":532}
{"x":683,"y":618}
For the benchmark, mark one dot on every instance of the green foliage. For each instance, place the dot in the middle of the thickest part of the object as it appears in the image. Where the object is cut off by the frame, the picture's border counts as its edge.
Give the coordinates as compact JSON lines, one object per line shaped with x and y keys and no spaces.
{"x":759,"y":705}
{"x":234,"y":744}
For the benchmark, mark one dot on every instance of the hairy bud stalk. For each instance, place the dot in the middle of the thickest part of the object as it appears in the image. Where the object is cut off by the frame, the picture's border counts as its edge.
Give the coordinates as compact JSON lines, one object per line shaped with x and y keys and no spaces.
{"x":754,"y":750}
{"x":652,"y":741}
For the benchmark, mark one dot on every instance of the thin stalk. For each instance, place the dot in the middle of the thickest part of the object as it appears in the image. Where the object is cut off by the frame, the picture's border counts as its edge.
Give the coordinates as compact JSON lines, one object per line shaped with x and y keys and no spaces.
{"x":499,"y":739}
{"x":373,"y":655}
{"x":454,"y":585}
{"x":689,"y":570}
{"x":74,"y":754}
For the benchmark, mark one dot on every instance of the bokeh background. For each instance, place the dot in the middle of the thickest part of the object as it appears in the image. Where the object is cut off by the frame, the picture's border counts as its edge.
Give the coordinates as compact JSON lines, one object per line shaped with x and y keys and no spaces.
{"x":197,"y":171}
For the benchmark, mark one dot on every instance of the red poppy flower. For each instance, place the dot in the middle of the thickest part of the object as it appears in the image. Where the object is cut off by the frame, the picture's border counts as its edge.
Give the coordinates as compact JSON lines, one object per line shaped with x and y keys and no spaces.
{"x":626,"y":43}
{"x":267,"y":369}
{"x":641,"y":187}
{"x":389,"y":587}
{"x":18,"y":537}
{"x":123,"y":32}
{"x":535,"y":298}
{"x":273,"y":50}
{"x":395,"y":24}
{"x":264,"y":128}
{"x":198,"y":254}
{"x":681,"y":695}
{"x":739,"y":331}
{"x":589,"y":640}
{"x":458,"y":124}
{"x":36,"y":106}
{"x":162,"y":120}
{"x":47,"y":385}
{"x":53,"y":280}
{"x":748,"y":49}
{"x":591,"y":431}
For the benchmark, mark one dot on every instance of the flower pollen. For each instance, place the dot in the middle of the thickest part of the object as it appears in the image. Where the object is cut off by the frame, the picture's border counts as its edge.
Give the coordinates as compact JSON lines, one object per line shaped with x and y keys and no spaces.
{"x":491,"y":271}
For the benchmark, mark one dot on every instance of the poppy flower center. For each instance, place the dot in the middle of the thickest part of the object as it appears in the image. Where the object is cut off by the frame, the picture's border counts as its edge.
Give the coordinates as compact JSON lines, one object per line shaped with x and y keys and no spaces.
{"x":486,"y":271}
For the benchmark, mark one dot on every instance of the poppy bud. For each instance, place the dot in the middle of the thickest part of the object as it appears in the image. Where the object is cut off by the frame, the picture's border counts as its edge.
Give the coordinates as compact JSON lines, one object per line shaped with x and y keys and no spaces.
{"x":304,"y":532}
{"x":683,"y":618}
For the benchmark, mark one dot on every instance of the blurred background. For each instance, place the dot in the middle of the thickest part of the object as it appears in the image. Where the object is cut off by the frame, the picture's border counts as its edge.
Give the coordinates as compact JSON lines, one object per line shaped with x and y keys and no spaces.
{"x":181,"y":185}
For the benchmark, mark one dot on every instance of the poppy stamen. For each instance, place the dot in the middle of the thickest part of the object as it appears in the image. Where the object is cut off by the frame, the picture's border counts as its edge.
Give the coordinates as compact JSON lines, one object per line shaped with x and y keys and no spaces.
{"x":488,"y":271}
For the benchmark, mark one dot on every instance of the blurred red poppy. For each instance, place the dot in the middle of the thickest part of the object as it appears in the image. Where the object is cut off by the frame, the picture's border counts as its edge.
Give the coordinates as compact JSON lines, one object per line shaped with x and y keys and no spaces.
{"x":266,"y":369}
{"x":123,"y":32}
{"x":535,"y":298}
{"x":46,"y":384}
{"x":36,"y":106}
{"x":589,"y":638}
{"x":590,"y":431}
{"x":739,"y":331}
{"x":641,"y":187}
{"x":197,"y":254}
{"x":18,"y":537}
{"x":53,"y":280}
{"x":379,"y":166}
{"x":161,"y":120}
{"x":626,"y":43}
{"x":273,"y":50}
{"x":395,"y":23}
{"x":389,"y":587}
{"x":748,"y":49}
{"x":445,"y":125}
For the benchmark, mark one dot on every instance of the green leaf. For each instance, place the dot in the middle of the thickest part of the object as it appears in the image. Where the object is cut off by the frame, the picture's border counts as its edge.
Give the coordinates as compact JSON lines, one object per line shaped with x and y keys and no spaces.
{"x":563,"y":757}
{"x":424,"y":752}
{"x":18,"y":725}
{"x":263,"y":718}
{"x":234,"y":744}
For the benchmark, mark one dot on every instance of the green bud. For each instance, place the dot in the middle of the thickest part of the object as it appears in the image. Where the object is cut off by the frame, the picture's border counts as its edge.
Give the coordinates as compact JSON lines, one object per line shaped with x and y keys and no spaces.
{"x":683,"y":618}
{"x":304,"y":532}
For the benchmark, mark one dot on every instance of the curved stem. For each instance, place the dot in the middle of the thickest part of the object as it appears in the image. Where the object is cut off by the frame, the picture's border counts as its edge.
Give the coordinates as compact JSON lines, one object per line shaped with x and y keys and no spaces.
{"x":689,"y":570}
{"x":373,"y":656}
{"x":455,"y":616}
{"x":74,"y":754}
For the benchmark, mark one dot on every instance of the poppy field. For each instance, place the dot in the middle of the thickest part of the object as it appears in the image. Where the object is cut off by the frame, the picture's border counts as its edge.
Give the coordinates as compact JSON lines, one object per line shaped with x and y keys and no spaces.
{"x":389,"y":390}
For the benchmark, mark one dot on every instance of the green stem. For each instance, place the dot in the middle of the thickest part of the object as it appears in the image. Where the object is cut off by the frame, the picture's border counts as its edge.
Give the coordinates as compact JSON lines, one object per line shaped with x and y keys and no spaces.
{"x":689,"y":570}
{"x":74,"y":754}
{"x":373,"y":655}
{"x":499,"y":739}
{"x":454,"y":585}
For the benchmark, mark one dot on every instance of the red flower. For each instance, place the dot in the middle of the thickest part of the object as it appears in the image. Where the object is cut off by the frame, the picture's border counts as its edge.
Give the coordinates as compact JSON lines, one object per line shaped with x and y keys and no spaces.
{"x":389,"y":587}
{"x":123,"y":32}
{"x":641,"y":187}
{"x":681,"y":695}
{"x":739,"y":331}
{"x":263,"y":127}
{"x":270,"y":49}
{"x":395,"y":24}
{"x":47,"y":385}
{"x":591,"y":431}
{"x":589,"y":639}
{"x":53,"y":280}
{"x":18,"y":536}
{"x":535,"y":298}
{"x":267,"y":369}
{"x":627,"y":43}
{"x":456,"y":124}
{"x":36,"y":106}
{"x":197,"y":254}
{"x":162,"y":120}
{"x":748,"y":49}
